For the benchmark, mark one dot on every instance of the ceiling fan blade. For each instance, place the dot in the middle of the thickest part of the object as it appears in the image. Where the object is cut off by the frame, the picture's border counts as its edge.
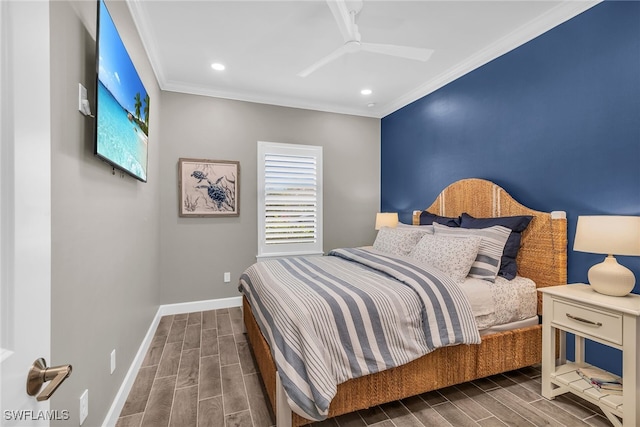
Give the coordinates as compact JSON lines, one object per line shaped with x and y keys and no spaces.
{"x":344,"y":19}
{"x":416,"y":53}
{"x":324,"y":61}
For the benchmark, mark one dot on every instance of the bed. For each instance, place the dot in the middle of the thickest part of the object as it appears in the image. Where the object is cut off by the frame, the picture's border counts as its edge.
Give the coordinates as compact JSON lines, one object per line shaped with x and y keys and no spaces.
{"x":541,"y":258}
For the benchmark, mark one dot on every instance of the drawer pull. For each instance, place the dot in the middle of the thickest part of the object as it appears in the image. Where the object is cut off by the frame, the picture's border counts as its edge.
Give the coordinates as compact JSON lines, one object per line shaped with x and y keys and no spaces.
{"x":580,"y":319}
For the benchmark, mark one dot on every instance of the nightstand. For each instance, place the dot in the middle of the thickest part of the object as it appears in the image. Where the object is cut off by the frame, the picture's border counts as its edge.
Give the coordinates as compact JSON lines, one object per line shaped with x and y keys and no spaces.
{"x":612,"y":321}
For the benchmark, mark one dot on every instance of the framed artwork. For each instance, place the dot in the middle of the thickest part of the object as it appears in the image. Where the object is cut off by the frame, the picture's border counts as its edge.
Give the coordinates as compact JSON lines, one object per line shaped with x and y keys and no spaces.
{"x":208,"y":188}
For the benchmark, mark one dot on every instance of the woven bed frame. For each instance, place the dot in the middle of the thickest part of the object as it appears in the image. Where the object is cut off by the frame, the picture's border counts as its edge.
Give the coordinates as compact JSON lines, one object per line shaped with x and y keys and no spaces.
{"x":542,"y":257}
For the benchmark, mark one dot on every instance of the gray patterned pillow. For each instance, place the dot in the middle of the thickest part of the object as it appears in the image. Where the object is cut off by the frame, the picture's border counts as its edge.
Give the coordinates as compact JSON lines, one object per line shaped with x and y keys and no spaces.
{"x":397,"y":241}
{"x":451,"y":255}
{"x":425,"y":228}
{"x":487,"y":263}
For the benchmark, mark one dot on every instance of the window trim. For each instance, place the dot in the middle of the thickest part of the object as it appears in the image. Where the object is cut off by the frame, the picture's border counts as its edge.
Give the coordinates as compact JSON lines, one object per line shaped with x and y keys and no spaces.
{"x":266,"y":251}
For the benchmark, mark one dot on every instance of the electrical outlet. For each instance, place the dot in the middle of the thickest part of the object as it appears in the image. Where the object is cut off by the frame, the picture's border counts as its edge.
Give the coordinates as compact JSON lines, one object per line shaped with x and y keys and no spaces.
{"x":227,"y":277}
{"x":84,"y":406}
{"x":83,"y":102}
{"x":113,"y":360}
{"x":82,"y":95}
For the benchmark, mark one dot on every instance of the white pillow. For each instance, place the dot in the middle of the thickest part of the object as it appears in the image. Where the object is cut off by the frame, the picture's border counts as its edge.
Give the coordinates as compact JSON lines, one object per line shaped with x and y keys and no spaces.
{"x":487,"y":263}
{"x":451,"y":255}
{"x":397,"y":241}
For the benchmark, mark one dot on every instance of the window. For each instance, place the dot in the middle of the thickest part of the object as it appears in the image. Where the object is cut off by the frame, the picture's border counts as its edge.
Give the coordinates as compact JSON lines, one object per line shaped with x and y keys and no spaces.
{"x":289,"y":200}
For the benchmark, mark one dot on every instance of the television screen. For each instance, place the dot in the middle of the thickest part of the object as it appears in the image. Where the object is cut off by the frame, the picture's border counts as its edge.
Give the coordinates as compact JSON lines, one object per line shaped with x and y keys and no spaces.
{"x":122,"y":103}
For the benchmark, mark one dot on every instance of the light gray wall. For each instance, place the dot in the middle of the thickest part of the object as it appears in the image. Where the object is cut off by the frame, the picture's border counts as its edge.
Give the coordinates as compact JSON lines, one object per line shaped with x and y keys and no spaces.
{"x":105,"y":228}
{"x":118,"y":247}
{"x":195,"y":252}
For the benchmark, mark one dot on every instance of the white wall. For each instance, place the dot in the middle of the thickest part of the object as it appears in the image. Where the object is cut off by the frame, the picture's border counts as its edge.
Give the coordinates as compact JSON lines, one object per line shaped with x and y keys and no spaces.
{"x":197,"y":251}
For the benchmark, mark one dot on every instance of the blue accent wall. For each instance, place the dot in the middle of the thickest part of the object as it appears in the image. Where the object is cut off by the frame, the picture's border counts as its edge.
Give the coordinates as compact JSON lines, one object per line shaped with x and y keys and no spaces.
{"x":555,"y":122}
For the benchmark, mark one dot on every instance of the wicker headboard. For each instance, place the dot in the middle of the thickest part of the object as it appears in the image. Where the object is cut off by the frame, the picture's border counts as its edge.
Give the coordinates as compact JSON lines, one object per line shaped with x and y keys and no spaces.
{"x":543,"y":252}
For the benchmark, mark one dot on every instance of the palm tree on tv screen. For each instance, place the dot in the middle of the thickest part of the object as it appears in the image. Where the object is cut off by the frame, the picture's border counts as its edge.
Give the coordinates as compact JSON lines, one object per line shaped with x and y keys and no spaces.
{"x":137,"y":105}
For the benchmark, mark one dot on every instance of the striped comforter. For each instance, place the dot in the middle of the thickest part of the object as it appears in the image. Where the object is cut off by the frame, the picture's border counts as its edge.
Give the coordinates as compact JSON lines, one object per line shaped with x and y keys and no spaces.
{"x":355,"y":312}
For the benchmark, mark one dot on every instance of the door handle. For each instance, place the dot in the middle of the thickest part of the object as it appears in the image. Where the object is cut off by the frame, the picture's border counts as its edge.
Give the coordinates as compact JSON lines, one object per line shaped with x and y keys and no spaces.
{"x":40,"y":374}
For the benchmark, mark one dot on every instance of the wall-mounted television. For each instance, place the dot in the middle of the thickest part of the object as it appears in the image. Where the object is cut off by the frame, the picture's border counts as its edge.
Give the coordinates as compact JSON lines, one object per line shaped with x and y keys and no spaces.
{"x":122,"y":103}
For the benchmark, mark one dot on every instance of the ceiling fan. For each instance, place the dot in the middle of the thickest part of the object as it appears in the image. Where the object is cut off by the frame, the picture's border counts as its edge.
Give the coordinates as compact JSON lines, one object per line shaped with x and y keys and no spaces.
{"x":345,"y":17}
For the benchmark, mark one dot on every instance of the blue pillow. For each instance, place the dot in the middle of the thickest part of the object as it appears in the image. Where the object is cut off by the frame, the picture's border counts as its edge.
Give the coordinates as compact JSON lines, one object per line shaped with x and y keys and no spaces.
{"x":427,"y":218}
{"x":517,"y":224}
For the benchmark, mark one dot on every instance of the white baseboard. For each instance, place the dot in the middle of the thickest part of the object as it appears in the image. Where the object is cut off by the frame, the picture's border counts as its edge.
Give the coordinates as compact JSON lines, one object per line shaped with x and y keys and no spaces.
{"x":191,"y":307}
{"x":163,"y":310}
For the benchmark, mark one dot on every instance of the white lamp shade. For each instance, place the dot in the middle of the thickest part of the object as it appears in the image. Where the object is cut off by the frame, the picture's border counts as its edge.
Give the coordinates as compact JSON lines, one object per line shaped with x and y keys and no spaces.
{"x":608,"y":234}
{"x":386,"y":219}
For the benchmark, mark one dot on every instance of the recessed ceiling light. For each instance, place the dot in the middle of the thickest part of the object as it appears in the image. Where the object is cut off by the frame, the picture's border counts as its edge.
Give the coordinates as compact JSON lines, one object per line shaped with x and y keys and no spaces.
{"x":217,"y":66}
{"x":366,"y":91}
{"x":371,"y":104}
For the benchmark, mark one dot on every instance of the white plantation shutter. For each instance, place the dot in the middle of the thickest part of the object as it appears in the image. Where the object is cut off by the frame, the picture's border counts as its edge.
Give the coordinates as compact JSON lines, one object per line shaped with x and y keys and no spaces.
{"x":289,"y":199}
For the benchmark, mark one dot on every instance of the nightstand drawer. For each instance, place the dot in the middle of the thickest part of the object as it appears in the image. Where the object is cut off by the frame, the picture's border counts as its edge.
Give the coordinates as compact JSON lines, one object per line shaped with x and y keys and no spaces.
{"x":589,"y":321}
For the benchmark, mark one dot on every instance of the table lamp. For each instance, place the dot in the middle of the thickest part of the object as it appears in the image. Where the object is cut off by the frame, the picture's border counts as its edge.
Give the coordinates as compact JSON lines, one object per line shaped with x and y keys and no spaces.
{"x":386,"y":219}
{"x":610,"y":235}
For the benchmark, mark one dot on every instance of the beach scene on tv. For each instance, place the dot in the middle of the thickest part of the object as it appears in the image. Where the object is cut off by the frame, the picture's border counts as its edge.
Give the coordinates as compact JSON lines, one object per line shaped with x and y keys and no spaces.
{"x":123,"y":104}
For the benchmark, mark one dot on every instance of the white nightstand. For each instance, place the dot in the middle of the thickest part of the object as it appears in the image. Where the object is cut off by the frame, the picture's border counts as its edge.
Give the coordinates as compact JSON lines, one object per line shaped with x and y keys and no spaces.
{"x":612,"y":321}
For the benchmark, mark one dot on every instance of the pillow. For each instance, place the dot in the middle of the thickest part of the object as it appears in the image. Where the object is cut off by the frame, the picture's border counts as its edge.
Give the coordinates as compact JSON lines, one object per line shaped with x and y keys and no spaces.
{"x":424,"y":228}
{"x":487,"y":262}
{"x":451,"y":255}
{"x":517,"y":224}
{"x":427,"y":218}
{"x":397,"y":241}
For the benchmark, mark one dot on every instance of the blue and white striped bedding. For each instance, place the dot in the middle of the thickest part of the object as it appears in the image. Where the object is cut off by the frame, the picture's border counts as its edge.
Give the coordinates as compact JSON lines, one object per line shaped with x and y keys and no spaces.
{"x":355,"y":312}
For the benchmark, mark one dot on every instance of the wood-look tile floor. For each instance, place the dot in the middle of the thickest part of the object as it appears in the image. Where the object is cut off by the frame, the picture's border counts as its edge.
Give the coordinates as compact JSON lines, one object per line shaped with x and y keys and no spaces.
{"x":199,"y":371}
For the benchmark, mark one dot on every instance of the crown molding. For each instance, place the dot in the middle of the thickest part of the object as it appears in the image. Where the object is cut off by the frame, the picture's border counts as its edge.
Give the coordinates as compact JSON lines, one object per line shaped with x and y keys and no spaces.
{"x":274,"y":100}
{"x":554,"y":17}
{"x":140,"y":20}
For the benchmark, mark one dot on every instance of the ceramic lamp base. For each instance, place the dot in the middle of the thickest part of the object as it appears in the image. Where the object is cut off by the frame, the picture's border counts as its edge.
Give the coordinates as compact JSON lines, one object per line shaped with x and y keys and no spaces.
{"x":611,"y":278}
